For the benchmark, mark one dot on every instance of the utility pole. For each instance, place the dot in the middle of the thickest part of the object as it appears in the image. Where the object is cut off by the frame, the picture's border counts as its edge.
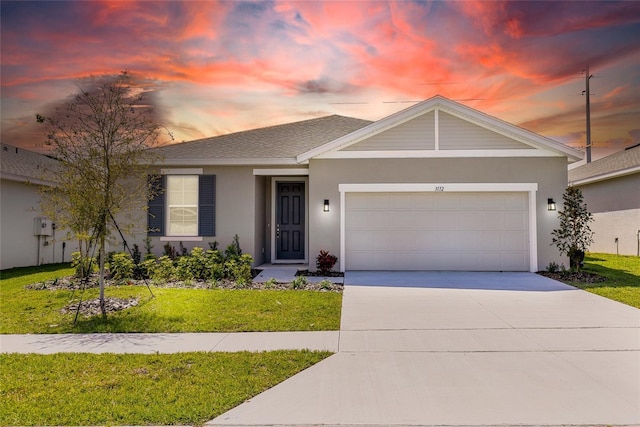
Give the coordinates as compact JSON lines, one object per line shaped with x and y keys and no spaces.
{"x":587,"y":78}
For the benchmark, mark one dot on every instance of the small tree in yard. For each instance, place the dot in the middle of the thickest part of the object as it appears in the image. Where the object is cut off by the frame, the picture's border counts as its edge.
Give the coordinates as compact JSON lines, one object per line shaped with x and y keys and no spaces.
{"x":574,"y":235}
{"x":101,"y":138}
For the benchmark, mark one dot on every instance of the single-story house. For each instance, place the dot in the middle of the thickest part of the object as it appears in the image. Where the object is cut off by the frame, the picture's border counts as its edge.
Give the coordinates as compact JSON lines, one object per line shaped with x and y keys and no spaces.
{"x":437,"y":186}
{"x":26,"y":237}
{"x":611,"y":190}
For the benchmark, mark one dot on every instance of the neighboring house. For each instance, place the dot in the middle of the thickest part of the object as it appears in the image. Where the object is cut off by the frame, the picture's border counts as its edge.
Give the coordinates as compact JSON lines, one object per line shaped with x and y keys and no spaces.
{"x":611,"y":190}
{"x":26,"y":237}
{"x":438,"y":186}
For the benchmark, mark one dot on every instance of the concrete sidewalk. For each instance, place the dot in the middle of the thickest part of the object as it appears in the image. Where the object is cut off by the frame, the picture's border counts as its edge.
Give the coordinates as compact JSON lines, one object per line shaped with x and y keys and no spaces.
{"x":169,"y":343}
{"x":465,"y":349}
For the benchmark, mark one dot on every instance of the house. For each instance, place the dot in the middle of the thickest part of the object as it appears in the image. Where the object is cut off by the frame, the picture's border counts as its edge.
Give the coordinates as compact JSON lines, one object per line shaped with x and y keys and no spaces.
{"x":611,"y":190}
{"x":437,"y":186}
{"x":27,"y":238}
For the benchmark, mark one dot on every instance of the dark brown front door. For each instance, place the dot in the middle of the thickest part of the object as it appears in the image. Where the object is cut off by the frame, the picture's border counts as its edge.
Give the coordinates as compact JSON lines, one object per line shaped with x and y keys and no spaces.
{"x":290,"y":221}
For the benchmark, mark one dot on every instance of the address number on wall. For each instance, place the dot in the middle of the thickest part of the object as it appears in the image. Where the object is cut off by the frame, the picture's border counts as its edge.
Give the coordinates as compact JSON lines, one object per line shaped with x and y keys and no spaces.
{"x":439,"y":187}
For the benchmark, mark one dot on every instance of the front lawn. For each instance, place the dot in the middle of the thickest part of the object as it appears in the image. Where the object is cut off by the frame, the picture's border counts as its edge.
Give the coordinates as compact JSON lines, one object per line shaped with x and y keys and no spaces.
{"x":135,"y":389}
{"x":172,"y":310}
{"x":622,"y":277}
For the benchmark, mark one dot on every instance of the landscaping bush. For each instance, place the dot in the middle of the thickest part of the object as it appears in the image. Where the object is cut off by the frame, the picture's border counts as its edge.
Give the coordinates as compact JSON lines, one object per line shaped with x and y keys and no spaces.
{"x":121,"y":266}
{"x":83,"y":265}
{"x":325,"y":262}
{"x":238,"y":269}
{"x":164,"y":269}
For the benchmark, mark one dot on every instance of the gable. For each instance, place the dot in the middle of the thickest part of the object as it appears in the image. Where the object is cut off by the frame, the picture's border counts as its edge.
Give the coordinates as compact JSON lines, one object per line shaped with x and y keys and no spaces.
{"x":458,"y":134}
{"x":437,"y":128}
{"x":416,"y":134}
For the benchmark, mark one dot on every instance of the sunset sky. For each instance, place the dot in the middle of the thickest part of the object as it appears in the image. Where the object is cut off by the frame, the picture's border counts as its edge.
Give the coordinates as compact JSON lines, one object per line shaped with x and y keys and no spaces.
{"x":218,"y":67}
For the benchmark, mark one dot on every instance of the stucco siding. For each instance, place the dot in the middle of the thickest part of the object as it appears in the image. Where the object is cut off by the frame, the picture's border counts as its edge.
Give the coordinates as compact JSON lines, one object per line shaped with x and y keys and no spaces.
{"x":458,"y":134}
{"x":20,"y":205}
{"x":416,"y":134}
{"x":325,"y":175}
{"x":623,"y":225}
{"x":614,"y":194}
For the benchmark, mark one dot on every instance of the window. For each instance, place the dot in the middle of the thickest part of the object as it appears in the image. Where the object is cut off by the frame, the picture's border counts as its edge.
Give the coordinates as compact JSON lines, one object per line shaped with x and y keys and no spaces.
{"x":184,"y":205}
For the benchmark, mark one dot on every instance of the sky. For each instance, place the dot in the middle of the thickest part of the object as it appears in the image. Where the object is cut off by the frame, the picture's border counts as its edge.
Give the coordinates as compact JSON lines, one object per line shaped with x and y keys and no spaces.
{"x":219,"y":67}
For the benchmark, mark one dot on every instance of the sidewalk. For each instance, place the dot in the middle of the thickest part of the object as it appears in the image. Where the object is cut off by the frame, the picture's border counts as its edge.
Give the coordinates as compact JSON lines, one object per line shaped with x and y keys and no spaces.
{"x":169,"y":343}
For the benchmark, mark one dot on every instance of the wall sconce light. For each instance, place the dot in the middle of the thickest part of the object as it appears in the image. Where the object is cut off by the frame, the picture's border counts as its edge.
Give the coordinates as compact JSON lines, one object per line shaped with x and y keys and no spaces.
{"x":551,"y":205}
{"x":326,"y":205}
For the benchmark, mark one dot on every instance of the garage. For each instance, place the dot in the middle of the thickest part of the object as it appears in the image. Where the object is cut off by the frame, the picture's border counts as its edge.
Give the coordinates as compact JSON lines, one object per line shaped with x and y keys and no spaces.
{"x":437,"y":230}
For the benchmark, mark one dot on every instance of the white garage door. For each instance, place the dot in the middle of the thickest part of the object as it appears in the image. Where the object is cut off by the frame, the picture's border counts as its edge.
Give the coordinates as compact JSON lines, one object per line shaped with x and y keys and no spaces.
{"x":437,"y":231}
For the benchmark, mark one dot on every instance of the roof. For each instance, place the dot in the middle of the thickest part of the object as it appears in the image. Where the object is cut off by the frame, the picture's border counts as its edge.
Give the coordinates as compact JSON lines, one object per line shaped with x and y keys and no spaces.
{"x":462,"y":111}
{"x":18,"y":164}
{"x":618,"y":164}
{"x":279,"y":144}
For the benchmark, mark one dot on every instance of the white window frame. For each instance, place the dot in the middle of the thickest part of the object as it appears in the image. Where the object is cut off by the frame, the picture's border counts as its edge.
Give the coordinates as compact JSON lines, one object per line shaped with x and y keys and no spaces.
{"x":174,"y":238}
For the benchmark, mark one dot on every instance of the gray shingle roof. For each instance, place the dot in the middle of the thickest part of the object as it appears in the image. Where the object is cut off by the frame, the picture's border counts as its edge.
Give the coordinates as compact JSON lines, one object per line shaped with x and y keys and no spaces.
{"x":613,"y":163}
{"x":275,"y":142}
{"x":26,"y":165}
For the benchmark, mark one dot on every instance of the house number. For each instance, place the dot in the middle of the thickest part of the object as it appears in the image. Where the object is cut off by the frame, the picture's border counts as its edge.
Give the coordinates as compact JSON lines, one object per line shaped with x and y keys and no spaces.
{"x":440,"y":188}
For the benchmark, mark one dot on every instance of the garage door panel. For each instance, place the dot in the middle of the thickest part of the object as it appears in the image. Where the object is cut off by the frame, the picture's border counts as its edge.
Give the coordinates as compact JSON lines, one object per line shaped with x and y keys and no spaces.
{"x":514,"y":220}
{"x":437,"y":231}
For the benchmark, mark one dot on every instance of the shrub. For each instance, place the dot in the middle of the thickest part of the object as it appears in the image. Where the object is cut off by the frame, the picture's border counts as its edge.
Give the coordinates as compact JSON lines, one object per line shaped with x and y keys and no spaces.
{"x":121,"y":266}
{"x":238,"y":269}
{"x":326,"y":285}
{"x":299,"y":282}
{"x":214,"y":265}
{"x":325,"y":262}
{"x":270,"y":283}
{"x":233,"y":250}
{"x":83,"y":265}
{"x":170,"y":251}
{"x":553,"y":267}
{"x":135,"y":254}
{"x":164,"y":269}
{"x":147,"y":268}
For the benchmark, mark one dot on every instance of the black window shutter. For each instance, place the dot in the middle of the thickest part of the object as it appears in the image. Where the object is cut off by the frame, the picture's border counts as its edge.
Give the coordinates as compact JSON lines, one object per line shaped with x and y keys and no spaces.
{"x":207,"y":205}
{"x":155,"y":214}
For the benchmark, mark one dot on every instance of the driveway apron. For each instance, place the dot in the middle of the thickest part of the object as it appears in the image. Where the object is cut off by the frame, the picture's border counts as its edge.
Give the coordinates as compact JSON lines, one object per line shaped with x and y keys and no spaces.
{"x":436,"y":348}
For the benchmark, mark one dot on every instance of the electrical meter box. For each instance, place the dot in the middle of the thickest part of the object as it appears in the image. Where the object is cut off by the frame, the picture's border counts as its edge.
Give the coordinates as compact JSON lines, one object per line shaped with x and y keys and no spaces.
{"x":43,"y":227}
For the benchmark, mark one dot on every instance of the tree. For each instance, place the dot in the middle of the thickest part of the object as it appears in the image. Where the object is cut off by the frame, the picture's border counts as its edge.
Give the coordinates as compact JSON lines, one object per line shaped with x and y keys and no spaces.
{"x":574,"y":235}
{"x":101,"y":137}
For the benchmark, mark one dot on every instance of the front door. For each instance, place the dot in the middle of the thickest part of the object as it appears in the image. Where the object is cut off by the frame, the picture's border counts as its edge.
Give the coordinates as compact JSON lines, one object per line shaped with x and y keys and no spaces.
{"x":290,"y":227}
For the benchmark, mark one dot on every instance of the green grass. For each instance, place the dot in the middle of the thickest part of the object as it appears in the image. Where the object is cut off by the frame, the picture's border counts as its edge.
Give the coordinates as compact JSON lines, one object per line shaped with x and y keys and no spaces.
{"x":622,"y":274}
{"x":172,"y":310}
{"x":135,"y":389}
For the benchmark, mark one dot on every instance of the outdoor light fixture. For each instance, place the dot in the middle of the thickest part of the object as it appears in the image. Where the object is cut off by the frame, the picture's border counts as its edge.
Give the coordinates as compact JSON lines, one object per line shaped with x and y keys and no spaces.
{"x":551,"y":205}
{"x":326,"y":205}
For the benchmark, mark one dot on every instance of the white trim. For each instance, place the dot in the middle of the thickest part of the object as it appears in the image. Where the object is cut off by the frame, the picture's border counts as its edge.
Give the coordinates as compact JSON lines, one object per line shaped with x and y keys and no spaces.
{"x":439,"y":154}
{"x":533,"y":232}
{"x":530,"y":188}
{"x":181,"y":239}
{"x":26,"y":180}
{"x":436,"y":187}
{"x":605,"y":176}
{"x":436,"y":127}
{"x":274,"y":187}
{"x":281,"y":172}
{"x":182,"y":171}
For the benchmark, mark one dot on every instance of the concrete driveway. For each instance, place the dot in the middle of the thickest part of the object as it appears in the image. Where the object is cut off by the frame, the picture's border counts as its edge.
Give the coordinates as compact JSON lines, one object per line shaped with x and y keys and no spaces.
{"x":433,"y":348}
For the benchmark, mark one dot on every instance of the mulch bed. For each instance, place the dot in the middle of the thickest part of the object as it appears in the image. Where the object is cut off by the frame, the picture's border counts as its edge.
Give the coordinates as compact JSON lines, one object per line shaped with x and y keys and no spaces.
{"x":574,"y":276}
{"x":71,"y":283}
{"x":318,"y":274}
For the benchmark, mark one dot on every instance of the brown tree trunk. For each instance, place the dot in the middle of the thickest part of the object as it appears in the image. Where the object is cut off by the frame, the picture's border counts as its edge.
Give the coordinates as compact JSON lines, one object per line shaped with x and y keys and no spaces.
{"x":103,"y":307}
